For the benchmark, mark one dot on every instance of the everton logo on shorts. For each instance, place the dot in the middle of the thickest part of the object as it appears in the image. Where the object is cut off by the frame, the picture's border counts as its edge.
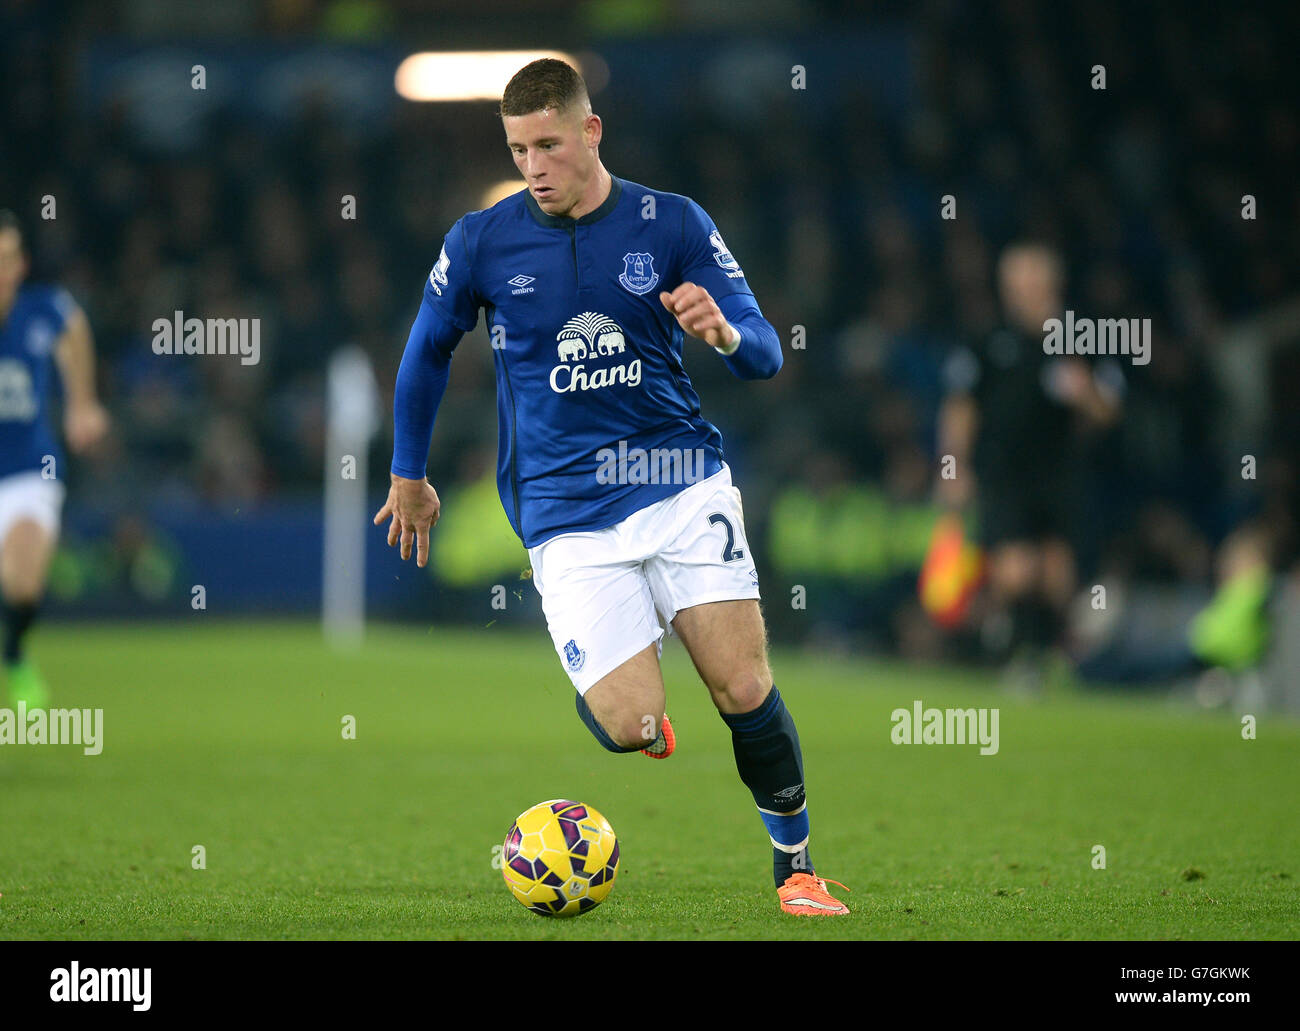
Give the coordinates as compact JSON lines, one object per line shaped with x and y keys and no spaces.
{"x":639,"y":275}
{"x":574,"y":657}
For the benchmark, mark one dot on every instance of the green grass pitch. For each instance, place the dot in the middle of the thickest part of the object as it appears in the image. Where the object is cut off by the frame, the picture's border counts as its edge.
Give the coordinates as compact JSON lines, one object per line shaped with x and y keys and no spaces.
{"x":229,"y":736}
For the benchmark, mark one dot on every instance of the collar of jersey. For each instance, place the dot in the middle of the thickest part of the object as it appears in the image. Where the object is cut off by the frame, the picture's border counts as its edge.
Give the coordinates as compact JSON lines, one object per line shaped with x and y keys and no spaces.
{"x":563,"y":222}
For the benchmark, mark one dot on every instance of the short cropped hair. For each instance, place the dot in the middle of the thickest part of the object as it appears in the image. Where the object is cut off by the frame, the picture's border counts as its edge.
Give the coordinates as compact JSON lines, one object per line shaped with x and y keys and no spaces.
{"x":541,"y":84}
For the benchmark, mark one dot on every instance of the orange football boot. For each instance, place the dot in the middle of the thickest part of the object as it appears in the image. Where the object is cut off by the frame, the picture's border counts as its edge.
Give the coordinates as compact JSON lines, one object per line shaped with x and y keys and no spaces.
{"x":805,"y":894}
{"x":664,"y":744}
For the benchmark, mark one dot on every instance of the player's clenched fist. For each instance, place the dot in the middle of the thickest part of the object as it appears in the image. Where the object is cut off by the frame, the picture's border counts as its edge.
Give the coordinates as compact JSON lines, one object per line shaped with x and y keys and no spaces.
{"x":414,"y":506}
{"x":699,"y":315}
{"x":84,"y":425}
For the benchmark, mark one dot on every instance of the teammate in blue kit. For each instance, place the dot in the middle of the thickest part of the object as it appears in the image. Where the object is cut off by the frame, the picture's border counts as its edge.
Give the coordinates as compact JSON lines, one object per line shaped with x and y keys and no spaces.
{"x":590,"y":284}
{"x":40,"y":326}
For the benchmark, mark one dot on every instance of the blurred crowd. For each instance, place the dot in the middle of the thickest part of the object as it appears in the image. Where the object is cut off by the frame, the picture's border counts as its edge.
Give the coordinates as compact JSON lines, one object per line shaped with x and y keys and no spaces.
{"x":838,"y":221}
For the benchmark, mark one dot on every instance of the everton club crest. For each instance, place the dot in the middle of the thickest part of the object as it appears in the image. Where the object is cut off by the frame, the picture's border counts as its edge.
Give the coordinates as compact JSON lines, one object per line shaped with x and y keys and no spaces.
{"x":574,"y":657}
{"x":639,"y":274}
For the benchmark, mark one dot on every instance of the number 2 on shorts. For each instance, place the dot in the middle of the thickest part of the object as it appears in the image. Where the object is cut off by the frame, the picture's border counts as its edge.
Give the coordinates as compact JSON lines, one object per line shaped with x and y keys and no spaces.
{"x":729,"y":551}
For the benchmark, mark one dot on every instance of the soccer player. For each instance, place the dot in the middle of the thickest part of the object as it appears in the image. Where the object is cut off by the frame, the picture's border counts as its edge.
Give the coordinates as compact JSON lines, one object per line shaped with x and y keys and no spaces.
{"x":40,"y":326}
{"x":608,"y":473}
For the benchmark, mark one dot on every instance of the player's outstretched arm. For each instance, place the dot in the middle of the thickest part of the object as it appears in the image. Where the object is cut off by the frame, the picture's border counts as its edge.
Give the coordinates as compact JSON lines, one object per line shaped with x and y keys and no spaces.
{"x":958,"y":421}
{"x":745,"y":339}
{"x":412,"y":503}
{"x":85,"y":420}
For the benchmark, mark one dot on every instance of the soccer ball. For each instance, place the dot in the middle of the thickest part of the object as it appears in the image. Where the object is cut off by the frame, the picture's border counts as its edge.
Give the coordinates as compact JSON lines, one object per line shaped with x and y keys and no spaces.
{"x":560,"y":858}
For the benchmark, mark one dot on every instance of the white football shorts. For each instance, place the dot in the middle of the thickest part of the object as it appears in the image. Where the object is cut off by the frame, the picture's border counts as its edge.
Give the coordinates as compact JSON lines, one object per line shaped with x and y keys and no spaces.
{"x":30,"y":496}
{"x":609,"y":593}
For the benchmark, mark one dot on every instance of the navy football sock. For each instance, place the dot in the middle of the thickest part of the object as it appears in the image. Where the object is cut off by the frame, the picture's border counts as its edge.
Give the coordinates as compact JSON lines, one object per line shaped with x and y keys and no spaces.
{"x":593,"y":724}
{"x":18,"y":618}
{"x":785,"y":864}
{"x":770,"y":764}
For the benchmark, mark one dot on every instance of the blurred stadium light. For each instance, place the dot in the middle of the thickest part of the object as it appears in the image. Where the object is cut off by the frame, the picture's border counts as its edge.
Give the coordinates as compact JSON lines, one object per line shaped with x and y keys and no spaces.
{"x":465,"y":75}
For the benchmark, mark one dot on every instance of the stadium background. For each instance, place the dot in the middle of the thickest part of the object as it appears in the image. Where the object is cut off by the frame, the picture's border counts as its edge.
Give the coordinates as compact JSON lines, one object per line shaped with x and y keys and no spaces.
{"x":226,"y":729}
{"x":226,"y":202}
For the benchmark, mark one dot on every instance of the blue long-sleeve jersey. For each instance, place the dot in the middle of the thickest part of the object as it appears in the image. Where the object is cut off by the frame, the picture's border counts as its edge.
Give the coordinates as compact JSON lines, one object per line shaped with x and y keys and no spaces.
{"x":587,"y":357}
{"x":28,"y":337}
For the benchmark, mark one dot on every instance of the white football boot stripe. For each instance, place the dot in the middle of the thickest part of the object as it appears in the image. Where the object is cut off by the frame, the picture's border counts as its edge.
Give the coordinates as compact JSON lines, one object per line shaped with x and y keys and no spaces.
{"x":811,"y":902}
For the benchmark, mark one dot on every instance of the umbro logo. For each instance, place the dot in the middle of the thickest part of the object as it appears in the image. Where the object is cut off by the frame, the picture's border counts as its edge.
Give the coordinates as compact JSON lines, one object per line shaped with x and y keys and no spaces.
{"x":520,"y":284}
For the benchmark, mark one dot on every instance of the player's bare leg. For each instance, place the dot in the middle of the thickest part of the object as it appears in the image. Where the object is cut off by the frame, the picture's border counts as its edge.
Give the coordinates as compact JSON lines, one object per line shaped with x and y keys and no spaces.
{"x":24,"y":562}
{"x":1058,"y":573}
{"x":727,"y":641}
{"x":1058,"y":585}
{"x":1014,"y":573}
{"x":627,"y":703}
